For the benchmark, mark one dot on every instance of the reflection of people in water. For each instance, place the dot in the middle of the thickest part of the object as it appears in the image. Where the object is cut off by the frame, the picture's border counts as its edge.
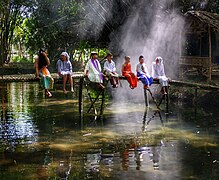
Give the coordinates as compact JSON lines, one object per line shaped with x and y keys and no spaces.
{"x":151,"y":152}
{"x":126,"y":154}
{"x":125,"y":160}
{"x":155,"y":156}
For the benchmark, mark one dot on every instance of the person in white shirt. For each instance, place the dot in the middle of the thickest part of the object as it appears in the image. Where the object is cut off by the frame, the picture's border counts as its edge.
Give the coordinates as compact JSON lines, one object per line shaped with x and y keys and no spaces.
{"x":110,"y":70}
{"x":93,"y":70}
{"x":142,"y":73}
{"x":158,"y":73}
{"x":64,"y":68}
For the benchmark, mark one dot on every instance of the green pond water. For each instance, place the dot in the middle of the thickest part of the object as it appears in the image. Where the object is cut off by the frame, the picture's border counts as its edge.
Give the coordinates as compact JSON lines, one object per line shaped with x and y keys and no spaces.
{"x":47,"y":139}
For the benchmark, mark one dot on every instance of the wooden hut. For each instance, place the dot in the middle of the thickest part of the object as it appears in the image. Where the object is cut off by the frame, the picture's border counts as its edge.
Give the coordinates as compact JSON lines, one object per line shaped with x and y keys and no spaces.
{"x":200,"y":48}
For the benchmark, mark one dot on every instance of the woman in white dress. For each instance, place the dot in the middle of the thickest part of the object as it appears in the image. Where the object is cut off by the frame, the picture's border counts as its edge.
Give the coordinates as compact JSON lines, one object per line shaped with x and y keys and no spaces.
{"x":158,"y":73}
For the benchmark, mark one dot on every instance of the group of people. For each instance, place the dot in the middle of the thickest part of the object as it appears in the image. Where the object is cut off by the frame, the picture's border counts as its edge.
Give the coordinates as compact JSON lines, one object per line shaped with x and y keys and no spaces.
{"x":64,"y":70}
{"x":95,"y":74}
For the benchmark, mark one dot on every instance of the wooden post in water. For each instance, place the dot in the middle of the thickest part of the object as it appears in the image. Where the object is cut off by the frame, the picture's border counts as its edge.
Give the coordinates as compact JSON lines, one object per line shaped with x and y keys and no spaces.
{"x":102,"y":102}
{"x":80,"y":96}
{"x":146,"y":98}
{"x":167,"y":100}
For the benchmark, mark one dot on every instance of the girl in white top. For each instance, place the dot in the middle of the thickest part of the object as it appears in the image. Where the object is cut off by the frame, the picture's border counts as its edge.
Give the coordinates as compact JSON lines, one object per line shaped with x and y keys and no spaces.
{"x":158,"y":73}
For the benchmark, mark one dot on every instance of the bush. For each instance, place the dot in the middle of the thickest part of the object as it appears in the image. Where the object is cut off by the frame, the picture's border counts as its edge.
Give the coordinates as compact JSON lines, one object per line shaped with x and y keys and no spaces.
{"x":21,"y":59}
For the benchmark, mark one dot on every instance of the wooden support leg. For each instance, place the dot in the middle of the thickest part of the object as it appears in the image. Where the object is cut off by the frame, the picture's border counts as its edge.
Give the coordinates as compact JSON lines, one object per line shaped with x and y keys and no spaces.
{"x":161,"y":119}
{"x":153,"y":98}
{"x":161,"y":100}
{"x":102,"y":102}
{"x":167,"y":100}
{"x":92,"y":102}
{"x":146,"y":98}
{"x":103,"y":97}
{"x":80,"y":96}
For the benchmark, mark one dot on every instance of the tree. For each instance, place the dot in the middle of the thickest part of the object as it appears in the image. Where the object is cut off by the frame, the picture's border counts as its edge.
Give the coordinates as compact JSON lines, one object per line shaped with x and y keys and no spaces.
{"x":11,"y":14}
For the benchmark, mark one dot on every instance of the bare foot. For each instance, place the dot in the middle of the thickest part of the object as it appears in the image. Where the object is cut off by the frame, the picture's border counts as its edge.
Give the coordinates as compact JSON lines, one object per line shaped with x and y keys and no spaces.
{"x":48,"y":94}
{"x":72,"y":90}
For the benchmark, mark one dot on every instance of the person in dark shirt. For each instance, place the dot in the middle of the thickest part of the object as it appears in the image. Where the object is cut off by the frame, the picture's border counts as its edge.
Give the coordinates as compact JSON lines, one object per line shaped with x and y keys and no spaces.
{"x":41,"y":63}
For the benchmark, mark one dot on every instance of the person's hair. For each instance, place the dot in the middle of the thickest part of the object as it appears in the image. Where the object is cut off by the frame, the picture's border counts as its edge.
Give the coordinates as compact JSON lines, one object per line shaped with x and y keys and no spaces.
{"x":41,"y":51}
{"x":127,"y":57}
{"x":42,"y":60}
{"x":109,"y":55}
{"x":141,"y":57}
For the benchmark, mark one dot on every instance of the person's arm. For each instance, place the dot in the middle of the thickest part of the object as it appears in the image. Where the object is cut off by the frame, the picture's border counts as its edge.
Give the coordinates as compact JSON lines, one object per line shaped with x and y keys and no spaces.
{"x":46,"y":57}
{"x":36,"y":67}
{"x":137,"y":68}
{"x":70,"y":66}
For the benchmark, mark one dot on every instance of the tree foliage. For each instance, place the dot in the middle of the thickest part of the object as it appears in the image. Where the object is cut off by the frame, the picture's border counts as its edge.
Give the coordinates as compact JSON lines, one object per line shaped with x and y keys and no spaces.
{"x":64,"y":24}
{"x":12,"y":13}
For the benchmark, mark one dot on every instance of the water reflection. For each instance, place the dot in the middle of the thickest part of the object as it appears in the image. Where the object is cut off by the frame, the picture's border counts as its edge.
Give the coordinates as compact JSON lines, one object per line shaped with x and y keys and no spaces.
{"x":16,"y":125}
{"x":147,"y":118}
{"x":129,"y":142}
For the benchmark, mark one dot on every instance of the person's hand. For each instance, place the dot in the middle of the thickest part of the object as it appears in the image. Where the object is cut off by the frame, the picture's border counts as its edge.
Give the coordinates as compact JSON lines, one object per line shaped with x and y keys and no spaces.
{"x":59,"y":73}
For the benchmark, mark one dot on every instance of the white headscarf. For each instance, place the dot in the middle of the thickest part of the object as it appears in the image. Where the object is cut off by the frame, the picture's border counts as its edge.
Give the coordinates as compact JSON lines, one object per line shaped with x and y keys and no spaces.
{"x":158,"y":68}
{"x":66,"y":55}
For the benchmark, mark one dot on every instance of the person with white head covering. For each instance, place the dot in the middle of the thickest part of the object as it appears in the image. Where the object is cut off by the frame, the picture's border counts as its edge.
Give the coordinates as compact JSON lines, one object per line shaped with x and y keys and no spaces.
{"x":158,"y":73}
{"x":93,"y":70}
{"x":64,"y":68}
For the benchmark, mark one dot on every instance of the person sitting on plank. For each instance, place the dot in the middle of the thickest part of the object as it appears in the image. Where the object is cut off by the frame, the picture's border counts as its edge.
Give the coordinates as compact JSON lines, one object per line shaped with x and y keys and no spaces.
{"x":64,"y":67}
{"x":142,"y":73}
{"x":127,"y":72}
{"x":41,"y":63}
{"x":110,"y":70}
{"x":158,"y":73}
{"x":93,"y":70}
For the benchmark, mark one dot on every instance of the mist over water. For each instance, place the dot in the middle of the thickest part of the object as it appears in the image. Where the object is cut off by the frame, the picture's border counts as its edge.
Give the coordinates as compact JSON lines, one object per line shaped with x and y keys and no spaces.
{"x":151,"y":30}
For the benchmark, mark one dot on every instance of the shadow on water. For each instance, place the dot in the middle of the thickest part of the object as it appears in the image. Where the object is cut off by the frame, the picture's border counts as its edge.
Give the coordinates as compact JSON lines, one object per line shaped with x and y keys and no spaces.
{"x":46,"y":139}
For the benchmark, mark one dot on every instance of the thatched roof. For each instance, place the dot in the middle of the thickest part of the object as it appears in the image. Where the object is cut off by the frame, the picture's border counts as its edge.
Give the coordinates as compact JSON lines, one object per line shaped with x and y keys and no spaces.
{"x":207,"y":18}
